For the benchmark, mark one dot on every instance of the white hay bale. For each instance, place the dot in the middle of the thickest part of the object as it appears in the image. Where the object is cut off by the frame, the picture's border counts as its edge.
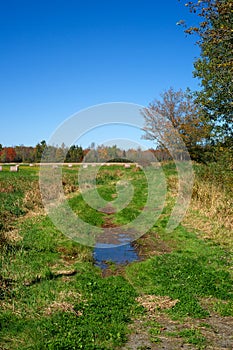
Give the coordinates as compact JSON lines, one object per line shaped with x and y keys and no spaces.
{"x":14,"y":168}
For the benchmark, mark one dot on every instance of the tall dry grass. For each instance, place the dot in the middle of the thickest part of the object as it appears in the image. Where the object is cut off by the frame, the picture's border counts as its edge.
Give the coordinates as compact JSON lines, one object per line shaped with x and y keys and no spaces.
{"x":20,"y":195}
{"x":211,"y":208}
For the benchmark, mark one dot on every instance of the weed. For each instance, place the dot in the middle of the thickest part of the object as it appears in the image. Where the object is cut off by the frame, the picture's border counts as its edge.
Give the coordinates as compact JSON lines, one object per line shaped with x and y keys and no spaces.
{"x":224,"y":308}
{"x":191,"y":336}
{"x":155,"y":332}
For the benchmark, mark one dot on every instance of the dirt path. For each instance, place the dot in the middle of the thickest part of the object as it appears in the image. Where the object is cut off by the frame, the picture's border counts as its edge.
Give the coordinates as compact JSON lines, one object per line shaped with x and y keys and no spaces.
{"x":218,"y":332}
{"x":155,"y":330}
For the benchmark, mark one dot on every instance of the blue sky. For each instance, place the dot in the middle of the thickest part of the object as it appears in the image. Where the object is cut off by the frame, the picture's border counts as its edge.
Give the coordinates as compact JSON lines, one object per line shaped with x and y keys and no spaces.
{"x":58,"y":57}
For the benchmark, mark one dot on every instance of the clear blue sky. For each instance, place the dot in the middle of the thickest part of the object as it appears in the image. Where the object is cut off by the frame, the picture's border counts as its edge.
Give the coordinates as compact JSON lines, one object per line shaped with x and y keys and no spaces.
{"x":60,"y":56}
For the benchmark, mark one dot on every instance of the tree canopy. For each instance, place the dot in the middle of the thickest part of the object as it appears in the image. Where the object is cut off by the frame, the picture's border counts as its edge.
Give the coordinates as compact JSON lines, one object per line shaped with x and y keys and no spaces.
{"x":174,"y":121}
{"x":214,"y":67}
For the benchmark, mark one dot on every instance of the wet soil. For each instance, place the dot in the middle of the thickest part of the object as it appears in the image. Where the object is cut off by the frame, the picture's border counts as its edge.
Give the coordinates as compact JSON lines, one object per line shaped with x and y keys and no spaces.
{"x":116,"y":247}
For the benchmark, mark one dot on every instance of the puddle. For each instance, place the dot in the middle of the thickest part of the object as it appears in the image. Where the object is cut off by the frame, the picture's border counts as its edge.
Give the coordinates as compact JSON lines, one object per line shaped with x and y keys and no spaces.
{"x":120,"y":252}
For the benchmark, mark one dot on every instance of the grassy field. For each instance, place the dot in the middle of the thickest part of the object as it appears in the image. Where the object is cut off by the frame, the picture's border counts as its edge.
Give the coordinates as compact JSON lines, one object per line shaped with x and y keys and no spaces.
{"x":53,"y":296}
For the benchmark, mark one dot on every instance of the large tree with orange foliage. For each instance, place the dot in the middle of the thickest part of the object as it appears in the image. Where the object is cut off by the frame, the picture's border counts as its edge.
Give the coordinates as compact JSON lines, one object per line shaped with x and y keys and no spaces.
{"x":174,"y":118}
{"x":8,"y":154}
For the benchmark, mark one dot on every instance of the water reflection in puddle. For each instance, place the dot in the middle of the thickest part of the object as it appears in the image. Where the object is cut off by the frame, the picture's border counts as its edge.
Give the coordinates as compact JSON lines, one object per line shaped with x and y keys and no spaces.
{"x":122,"y":252}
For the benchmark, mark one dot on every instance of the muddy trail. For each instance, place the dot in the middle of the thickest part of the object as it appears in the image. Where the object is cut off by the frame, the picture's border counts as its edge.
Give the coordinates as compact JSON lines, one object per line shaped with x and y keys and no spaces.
{"x":114,"y":246}
{"x":117,"y":248}
{"x":112,"y":253}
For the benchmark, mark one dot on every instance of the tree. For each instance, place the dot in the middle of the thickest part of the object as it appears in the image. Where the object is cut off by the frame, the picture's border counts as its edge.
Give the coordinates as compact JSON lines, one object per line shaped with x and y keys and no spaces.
{"x":24,"y":153}
{"x":74,"y":154}
{"x":214,"y":68}
{"x":39,"y":149}
{"x":59,"y":154}
{"x":173,"y":119}
{"x":8,"y":154}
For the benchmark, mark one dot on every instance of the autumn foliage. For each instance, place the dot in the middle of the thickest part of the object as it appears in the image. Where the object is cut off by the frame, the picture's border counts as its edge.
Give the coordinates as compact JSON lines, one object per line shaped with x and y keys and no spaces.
{"x":174,"y":122}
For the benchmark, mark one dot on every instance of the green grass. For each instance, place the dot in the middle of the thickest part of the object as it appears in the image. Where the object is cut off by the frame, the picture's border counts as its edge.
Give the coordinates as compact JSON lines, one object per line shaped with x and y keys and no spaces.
{"x":154,"y":333}
{"x":195,"y":269}
{"x":223,"y":308}
{"x":100,"y":324}
{"x":191,"y":336}
{"x":37,"y":268}
{"x":93,"y":323}
{"x":85,"y":212}
{"x":13,"y":187}
{"x":53,"y":297}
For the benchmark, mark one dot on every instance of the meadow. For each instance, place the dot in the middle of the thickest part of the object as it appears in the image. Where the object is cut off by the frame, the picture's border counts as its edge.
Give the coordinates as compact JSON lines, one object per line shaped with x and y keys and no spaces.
{"x":178,"y":294}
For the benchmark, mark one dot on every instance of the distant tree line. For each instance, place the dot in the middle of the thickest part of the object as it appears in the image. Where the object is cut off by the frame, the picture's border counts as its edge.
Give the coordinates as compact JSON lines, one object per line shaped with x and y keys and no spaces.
{"x":29,"y":154}
{"x":76,"y":154}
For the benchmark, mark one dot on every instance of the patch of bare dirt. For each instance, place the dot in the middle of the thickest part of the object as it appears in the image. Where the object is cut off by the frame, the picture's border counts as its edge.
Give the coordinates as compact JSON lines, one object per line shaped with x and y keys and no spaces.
{"x":220,"y":334}
{"x":109,"y":209}
{"x":69,"y":255}
{"x":217,"y":330}
{"x":140,"y":338}
{"x":118,"y":270}
{"x":151,"y":244}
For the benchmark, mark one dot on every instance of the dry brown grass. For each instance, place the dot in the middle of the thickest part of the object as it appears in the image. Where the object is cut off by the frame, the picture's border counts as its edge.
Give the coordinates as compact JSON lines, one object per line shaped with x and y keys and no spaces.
{"x":13,"y":235}
{"x":211,"y":208}
{"x":65,"y":303}
{"x":32,"y":199}
{"x":173,"y":185}
{"x":152,"y":303}
{"x":6,"y":189}
{"x":211,"y":211}
{"x":59,"y":306}
{"x":213,"y":202}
